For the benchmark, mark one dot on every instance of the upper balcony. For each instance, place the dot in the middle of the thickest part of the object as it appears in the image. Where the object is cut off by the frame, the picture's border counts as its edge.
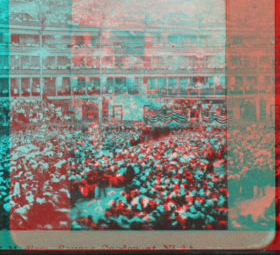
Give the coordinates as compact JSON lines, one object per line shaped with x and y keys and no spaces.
{"x":251,"y":85}
{"x":184,"y":87}
{"x":4,"y":48}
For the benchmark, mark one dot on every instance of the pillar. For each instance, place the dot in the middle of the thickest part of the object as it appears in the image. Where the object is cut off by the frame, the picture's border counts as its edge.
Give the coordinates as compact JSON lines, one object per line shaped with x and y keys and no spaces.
{"x":217,"y":81}
{"x":41,"y":64}
{"x":268,"y":105}
{"x":30,"y":86}
{"x":257,"y":109}
{"x":166,"y":81}
{"x":261,"y":82}
{"x":103,"y":81}
{"x":110,"y":110}
{"x":18,"y":58}
{"x":236,"y":109}
{"x":113,"y":62}
{"x":57,"y":80}
{"x":100,"y":109}
{"x":19,"y":86}
{"x":164,"y":38}
{"x":101,"y":72}
{"x":156,"y":86}
{"x":178,"y":89}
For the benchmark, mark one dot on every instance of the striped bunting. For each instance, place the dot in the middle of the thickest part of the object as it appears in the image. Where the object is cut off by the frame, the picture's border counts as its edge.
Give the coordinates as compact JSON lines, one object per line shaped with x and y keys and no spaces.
{"x":177,"y":117}
{"x":209,"y":117}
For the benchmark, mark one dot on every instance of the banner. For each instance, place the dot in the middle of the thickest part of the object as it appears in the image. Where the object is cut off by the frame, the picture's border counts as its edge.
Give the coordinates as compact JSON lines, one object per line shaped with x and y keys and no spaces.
{"x":174,"y":116}
{"x":210,"y":116}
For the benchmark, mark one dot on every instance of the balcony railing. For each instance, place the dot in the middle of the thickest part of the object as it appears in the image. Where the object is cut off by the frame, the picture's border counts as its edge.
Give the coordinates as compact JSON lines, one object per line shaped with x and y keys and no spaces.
{"x":17,"y":46}
{"x":4,"y":47}
{"x":24,"y":71}
{"x":4,"y":71}
{"x":186,"y":93}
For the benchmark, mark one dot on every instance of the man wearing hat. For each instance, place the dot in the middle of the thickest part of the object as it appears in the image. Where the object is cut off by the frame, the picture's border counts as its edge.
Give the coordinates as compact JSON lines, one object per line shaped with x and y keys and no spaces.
{"x":91,"y":181}
{"x":102,"y":180}
{"x":129,"y":174}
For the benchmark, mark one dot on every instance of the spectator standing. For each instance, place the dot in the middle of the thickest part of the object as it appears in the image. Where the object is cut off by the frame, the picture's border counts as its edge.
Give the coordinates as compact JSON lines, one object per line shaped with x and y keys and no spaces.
{"x":91,"y":181}
{"x":129,"y":175}
{"x":102,"y":182}
{"x":211,"y":159}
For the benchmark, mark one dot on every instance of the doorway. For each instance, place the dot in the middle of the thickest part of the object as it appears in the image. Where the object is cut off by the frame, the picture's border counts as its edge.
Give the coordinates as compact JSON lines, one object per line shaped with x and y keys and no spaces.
{"x":90,"y":112}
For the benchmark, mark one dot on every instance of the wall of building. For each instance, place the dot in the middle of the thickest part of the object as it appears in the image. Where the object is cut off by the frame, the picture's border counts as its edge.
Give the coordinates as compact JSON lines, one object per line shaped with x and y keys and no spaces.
{"x":133,"y":107}
{"x":251,"y":43}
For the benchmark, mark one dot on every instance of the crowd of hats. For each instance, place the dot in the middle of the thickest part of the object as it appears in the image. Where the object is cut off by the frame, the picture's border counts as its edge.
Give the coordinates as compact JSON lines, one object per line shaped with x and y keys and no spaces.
{"x":251,"y":156}
{"x":95,"y":151}
{"x":29,"y":111}
{"x":39,"y":174}
{"x":251,"y":164}
{"x":4,"y":112}
{"x":57,"y":15}
{"x":172,"y":185}
{"x":4,"y":182}
{"x":156,"y":193}
{"x":172,"y":180}
{"x":122,"y":137}
{"x":39,"y":190}
{"x":34,"y":112}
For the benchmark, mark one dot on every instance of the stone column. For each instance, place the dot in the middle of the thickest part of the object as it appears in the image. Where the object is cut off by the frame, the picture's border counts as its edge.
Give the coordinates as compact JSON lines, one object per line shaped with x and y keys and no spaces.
{"x":257,"y":109}
{"x":236,"y":110}
{"x":30,"y":86}
{"x":19,"y":86}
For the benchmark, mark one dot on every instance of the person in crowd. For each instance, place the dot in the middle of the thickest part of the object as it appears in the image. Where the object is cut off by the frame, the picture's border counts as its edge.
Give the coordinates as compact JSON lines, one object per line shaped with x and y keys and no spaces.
{"x":211,"y":160}
{"x":129,"y":175}
{"x":91,"y":182}
{"x":102,"y":182}
{"x":172,"y":179}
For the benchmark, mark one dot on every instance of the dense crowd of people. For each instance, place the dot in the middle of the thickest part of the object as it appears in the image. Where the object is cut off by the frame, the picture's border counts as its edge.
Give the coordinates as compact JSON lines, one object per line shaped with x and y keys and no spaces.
{"x":67,"y":156}
{"x":251,"y":166}
{"x":175,"y":175}
{"x":170,"y":178}
{"x":57,"y":15}
{"x":34,"y":112}
{"x":143,"y":193}
{"x":39,"y":176}
{"x":5,"y":182}
{"x":4,"y":112}
{"x":251,"y":158}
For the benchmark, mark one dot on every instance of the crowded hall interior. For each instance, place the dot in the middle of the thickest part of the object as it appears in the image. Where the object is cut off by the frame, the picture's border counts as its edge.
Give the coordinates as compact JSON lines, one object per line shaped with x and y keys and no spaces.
{"x":124,"y":118}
